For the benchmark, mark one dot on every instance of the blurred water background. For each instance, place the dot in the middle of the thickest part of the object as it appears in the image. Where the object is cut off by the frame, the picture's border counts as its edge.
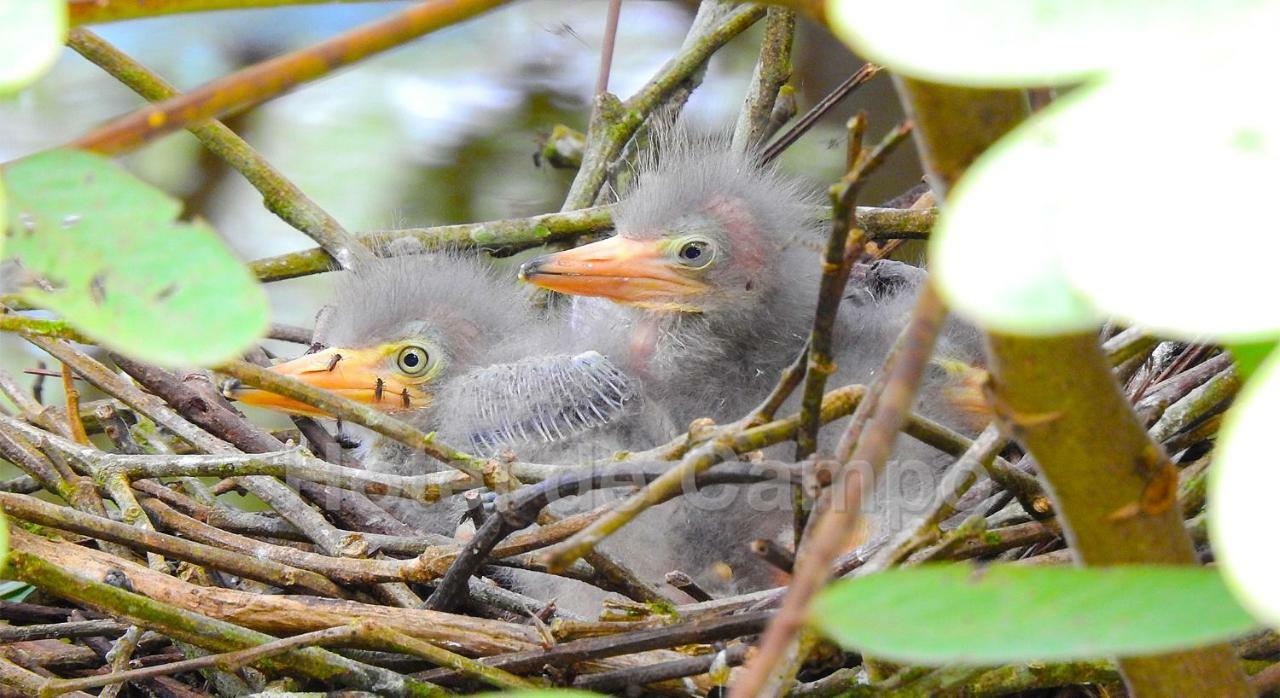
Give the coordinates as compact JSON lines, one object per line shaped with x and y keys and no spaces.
{"x":442,"y":130}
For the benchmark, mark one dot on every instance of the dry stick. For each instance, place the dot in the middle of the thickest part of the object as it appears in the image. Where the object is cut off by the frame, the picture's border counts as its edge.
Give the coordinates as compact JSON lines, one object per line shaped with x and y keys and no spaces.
{"x":118,"y":657}
{"x":23,"y":680}
{"x":958,"y":478}
{"x":844,"y":246}
{"x":516,"y":234}
{"x":568,"y":653}
{"x":29,"y":563}
{"x":279,"y":497}
{"x":279,"y":195}
{"x":271,"y":78}
{"x":1115,"y":497}
{"x":811,"y":117}
{"x":606,"y":49}
{"x":520,"y":509}
{"x":276,"y":614}
{"x":227,"y":661}
{"x":772,"y":71}
{"x":838,"y":403}
{"x":364,"y":632}
{"x":30,"y":408}
{"x":613,"y":123}
{"x":834,"y":522}
{"x":266,"y":571}
{"x":99,"y":11}
{"x":620,"y":680}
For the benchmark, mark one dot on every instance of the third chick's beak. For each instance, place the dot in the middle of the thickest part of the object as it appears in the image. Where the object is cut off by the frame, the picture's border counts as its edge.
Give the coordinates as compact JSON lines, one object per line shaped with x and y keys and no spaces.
{"x":625,"y":270}
{"x":363,"y":375}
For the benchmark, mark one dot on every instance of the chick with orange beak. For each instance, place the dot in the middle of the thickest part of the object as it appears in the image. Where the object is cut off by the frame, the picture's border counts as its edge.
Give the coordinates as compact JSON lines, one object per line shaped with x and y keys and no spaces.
{"x":708,"y":289}
{"x":446,"y":344}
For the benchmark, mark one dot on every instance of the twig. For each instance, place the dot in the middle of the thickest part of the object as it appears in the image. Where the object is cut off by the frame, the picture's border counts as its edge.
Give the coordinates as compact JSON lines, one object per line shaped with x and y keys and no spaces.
{"x":837,"y":404}
{"x":73,"y":407}
{"x":806,"y":122}
{"x":844,"y":246}
{"x":28,"y":563}
{"x":621,"y":679}
{"x":613,"y":123}
{"x":606,"y":49}
{"x":517,"y":234}
{"x":274,"y":493}
{"x":99,"y":11}
{"x":12,"y":322}
{"x":267,"y":571}
{"x":954,"y":483}
{"x":686,"y":584}
{"x":569,"y":653}
{"x":262,"y":81}
{"x":835,"y":519}
{"x":279,"y":195}
{"x":773,"y":69}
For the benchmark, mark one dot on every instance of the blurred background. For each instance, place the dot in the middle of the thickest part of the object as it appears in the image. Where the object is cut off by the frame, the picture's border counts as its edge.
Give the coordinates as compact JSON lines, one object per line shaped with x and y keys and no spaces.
{"x":442,"y":130}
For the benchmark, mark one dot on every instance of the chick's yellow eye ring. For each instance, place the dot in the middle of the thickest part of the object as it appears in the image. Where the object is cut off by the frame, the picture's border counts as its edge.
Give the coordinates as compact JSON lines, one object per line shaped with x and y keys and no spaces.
{"x":695,"y":253}
{"x":413,"y":360}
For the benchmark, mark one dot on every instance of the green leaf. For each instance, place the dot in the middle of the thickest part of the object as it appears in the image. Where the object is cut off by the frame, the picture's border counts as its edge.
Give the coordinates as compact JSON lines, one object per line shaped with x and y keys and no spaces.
{"x":945,"y":614}
{"x":1242,"y":493}
{"x":15,"y":591}
{"x":1097,"y":194}
{"x":122,"y":269}
{"x":31,"y":36}
{"x":1024,"y":43}
{"x":1250,"y":355}
{"x":995,"y":266}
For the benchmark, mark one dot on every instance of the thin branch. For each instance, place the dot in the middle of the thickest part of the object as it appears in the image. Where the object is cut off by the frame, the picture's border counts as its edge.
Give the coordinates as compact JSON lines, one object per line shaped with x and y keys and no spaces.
{"x":274,"y":493}
{"x":772,"y":71}
{"x":271,"y":78}
{"x":517,"y":234}
{"x":33,"y":561}
{"x":806,"y":122}
{"x":11,"y":322}
{"x":769,"y":671}
{"x":100,"y":11}
{"x":838,"y":403}
{"x":606,"y":49}
{"x":279,"y":195}
{"x":267,"y":571}
{"x":613,"y":123}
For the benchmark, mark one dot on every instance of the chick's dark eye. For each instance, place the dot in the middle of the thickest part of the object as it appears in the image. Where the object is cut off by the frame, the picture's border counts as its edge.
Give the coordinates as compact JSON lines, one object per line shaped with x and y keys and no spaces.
{"x":694,"y":252}
{"x":412,"y":360}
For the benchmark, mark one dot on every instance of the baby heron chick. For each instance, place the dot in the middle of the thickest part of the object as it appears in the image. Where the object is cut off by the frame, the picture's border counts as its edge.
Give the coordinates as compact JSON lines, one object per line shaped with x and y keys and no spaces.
{"x":710,"y":283}
{"x":449,"y":346}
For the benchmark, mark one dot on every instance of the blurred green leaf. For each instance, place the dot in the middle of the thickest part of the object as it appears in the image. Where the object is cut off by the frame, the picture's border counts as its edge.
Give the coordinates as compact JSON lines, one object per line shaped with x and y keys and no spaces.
{"x":122,"y":269}
{"x":15,"y":591}
{"x":1026,"y":43}
{"x":1250,"y":355}
{"x":944,"y":614}
{"x":1242,"y":493}
{"x":31,"y":36}
{"x":1091,"y":202}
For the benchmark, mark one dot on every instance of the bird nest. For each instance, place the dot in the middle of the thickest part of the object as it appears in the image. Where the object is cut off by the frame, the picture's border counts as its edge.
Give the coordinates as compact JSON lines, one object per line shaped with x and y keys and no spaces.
{"x":136,"y":571}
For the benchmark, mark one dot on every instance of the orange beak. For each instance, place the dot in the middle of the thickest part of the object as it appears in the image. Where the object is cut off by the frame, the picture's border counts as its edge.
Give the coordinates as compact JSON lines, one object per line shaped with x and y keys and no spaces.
{"x":635,"y":272}
{"x":363,"y":375}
